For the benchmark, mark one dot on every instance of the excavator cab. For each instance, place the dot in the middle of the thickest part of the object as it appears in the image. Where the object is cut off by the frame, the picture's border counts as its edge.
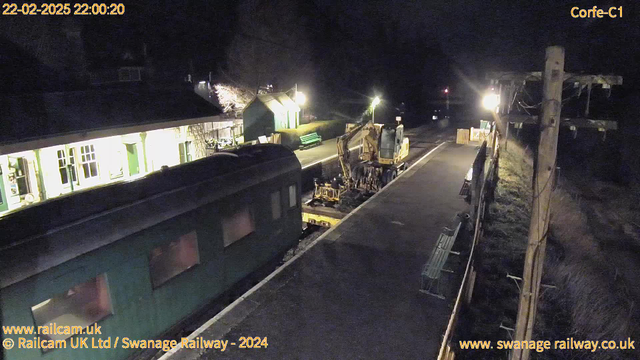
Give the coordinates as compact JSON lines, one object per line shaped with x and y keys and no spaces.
{"x":394,"y":147}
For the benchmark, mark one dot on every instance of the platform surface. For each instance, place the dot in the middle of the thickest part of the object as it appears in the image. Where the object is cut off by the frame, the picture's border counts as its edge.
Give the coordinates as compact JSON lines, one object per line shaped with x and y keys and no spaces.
{"x":328,"y":151}
{"x":319,"y":153}
{"x":354,"y":293}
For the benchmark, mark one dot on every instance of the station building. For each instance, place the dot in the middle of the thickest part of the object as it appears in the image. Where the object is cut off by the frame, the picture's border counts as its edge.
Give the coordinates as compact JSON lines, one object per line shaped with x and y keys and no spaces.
{"x":53,"y":144}
{"x":268,"y":113}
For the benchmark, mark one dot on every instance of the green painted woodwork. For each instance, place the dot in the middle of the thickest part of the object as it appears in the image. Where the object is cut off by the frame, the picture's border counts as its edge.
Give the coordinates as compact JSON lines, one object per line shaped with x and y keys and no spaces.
{"x":4,"y":205}
{"x":139,"y":311}
{"x":132,"y":159}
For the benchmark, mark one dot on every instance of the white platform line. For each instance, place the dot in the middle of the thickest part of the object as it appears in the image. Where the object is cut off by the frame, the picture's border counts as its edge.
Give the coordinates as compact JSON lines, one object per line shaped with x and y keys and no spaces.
{"x":328,"y":158}
{"x":222,"y":313}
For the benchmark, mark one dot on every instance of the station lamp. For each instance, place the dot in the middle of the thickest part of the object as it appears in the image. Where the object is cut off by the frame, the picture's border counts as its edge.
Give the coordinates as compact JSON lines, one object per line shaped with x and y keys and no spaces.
{"x":300,"y":98}
{"x":374,"y":103}
{"x":491,"y":102}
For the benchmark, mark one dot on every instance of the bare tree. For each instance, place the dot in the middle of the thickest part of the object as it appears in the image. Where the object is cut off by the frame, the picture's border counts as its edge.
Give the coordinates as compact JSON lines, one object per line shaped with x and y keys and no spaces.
{"x":232,"y":98}
{"x":270,"y":47}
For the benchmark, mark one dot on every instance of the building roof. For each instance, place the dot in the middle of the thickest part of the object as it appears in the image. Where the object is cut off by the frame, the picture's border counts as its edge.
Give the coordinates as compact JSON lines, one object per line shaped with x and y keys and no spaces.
{"x":287,"y":102}
{"x":44,"y":115}
{"x":276,"y":102}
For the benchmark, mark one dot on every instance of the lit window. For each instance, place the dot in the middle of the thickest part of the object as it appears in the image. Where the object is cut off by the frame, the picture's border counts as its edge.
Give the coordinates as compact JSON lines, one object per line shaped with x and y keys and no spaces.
{"x":237,"y":225}
{"x":66,"y":167}
{"x":19,"y":176}
{"x":169,"y":260}
{"x":62,"y":166}
{"x":78,"y":307}
{"x":276,"y":209}
{"x":293,"y":196}
{"x":72,"y":162}
{"x":88,"y":161}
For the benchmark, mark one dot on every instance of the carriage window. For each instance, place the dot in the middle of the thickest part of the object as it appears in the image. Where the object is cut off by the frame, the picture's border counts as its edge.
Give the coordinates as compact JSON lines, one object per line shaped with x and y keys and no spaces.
{"x":237,"y":225}
{"x":293,"y":196}
{"x":276,"y":209}
{"x":77,"y":308}
{"x":172,"y":259}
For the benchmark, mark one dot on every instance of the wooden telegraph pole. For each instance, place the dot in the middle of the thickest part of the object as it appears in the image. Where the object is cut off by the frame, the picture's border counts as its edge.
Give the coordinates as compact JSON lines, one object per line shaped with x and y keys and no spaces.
{"x":542,"y":187}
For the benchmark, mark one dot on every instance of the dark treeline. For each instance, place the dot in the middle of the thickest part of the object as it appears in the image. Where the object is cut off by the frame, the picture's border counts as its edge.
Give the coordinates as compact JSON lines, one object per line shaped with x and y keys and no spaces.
{"x":339,"y":53}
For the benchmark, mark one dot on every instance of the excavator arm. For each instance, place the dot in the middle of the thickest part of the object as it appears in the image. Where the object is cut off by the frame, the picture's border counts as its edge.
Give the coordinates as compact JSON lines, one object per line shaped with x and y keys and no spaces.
{"x":370,"y":144}
{"x":368,"y":176}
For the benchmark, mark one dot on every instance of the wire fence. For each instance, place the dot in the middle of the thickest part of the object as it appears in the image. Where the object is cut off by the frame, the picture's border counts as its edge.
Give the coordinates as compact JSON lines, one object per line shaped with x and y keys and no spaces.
{"x":484,"y":179}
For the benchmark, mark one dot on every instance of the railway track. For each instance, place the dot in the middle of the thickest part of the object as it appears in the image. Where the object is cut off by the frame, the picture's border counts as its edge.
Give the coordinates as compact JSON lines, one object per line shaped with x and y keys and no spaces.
{"x":422,"y":139}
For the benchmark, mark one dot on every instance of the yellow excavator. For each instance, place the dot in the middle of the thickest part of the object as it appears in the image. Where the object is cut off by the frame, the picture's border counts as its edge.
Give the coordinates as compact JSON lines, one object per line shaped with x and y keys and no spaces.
{"x":381,"y":159}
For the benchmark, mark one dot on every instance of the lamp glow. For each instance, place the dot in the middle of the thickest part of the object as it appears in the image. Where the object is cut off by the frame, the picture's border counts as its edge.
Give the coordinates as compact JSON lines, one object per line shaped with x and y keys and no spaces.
{"x":491,"y":101}
{"x":300,"y":98}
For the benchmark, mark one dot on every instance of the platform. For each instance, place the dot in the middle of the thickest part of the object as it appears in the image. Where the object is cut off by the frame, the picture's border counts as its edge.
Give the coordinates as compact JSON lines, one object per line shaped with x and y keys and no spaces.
{"x":353,"y":294}
{"x":324,"y":152}
{"x":328,"y":150}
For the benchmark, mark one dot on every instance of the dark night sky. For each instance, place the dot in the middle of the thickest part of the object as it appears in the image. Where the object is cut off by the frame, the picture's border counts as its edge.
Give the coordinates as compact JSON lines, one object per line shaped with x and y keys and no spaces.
{"x":405,"y":49}
{"x":508,"y":35}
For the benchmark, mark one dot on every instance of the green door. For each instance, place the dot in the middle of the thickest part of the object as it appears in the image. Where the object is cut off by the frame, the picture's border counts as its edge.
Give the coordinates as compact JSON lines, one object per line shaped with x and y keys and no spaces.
{"x":3,"y":198}
{"x":132,"y":157}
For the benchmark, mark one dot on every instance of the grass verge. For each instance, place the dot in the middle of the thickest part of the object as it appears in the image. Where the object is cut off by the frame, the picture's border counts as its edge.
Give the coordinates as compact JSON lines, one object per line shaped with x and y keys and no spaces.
{"x":500,"y":252}
{"x":592,"y":259}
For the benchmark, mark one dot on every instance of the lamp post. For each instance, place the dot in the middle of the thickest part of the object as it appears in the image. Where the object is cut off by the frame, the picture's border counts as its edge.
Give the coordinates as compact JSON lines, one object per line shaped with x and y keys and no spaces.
{"x":374,"y":103}
{"x":299,"y":98}
{"x":491,"y":102}
{"x":446,"y":92}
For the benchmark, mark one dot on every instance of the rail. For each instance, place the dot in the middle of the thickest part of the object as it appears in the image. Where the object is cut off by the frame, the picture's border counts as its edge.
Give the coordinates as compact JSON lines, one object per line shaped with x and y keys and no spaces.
{"x":482,"y":185}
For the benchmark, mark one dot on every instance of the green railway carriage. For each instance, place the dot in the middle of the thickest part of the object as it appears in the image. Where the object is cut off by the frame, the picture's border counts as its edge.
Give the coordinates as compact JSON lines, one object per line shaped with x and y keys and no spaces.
{"x":133,"y":259}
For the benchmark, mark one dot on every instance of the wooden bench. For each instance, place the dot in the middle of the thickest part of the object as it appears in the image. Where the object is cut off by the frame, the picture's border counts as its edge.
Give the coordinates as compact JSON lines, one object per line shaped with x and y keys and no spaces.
{"x":434,"y":268}
{"x":310,"y":140}
{"x":465,"y":190}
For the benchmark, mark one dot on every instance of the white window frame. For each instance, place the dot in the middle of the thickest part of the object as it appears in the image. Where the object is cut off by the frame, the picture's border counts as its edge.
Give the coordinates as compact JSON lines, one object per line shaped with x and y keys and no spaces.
{"x":87,"y":158}
{"x":68,"y":162}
